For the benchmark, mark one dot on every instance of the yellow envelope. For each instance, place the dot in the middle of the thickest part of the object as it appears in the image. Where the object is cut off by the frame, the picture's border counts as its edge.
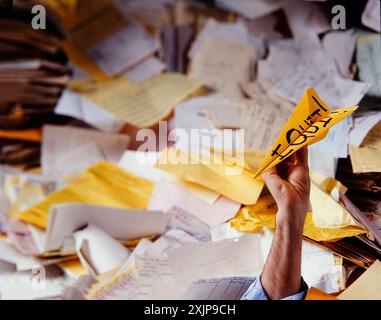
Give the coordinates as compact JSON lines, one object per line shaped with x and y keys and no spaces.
{"x":241,"y":188}
{"x":327,"y":212}
{"x":327,"y":183}
{"x":366,"y":158}
{"x":309,"y":123}
{"x":102,"y":184}
{"x":251,"y":219}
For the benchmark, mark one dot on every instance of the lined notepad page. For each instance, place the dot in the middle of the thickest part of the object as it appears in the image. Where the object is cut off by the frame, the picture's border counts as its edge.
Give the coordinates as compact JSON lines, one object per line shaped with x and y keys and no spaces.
{"x":145,"y":104}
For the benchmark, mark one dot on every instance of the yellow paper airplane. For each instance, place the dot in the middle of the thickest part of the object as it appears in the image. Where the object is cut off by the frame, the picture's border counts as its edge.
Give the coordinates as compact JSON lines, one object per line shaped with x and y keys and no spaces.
{"x":309,"y":123}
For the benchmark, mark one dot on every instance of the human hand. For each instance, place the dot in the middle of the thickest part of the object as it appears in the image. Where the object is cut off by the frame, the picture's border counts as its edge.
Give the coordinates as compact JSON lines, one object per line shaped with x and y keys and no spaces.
{"x":289,"y":184}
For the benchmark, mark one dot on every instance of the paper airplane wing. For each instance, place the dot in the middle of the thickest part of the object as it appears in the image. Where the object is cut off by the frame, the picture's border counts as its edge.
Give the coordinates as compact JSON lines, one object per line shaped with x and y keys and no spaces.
{"x":301,"y":130}
{"x":309,"y":110}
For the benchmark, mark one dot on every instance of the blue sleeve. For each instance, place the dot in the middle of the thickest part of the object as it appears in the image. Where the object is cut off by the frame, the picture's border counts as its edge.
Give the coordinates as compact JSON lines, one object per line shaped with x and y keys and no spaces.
{"x":256,"y":292}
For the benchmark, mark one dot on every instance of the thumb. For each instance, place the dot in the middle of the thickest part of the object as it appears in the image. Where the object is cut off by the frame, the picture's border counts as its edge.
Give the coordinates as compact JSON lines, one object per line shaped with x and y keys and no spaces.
{"x":274,"y":182}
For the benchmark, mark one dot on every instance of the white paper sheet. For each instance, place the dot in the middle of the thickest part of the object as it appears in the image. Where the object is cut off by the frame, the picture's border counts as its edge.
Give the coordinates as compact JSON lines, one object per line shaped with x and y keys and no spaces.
{"x":224,"y":231}
{"x":264,"y":118}
{"x":232,"y":288}
{"x":141,"y":248}
{"x":141,"y":164}
{"x":368,"y":57}
{"x":68,"y":163}
{"x":250,"y":9}
{"x":97,"y":251}
{"x":124,"y":49}
{"x":323,"y":156}
{"x":22,"y":262}
{"x":29,"y":285}
{"x":371,"y":15}
{"x":223,"y":65}
{"x":226,"y":258}
{"x":211,"y":214}
{"x":274,"y":67}
{"x":173,"y":239}
{"x":361,"y":126}
{"x":305,"y":17}
{"x":181,"y":219}
{"x":121,"y":224}
{"x":322,"y":161}
{"x":333,"y":90}
{"x":191,"y":113}
{"x":340,"y":45}
{"x":152,"y":280}
{"x":74,"y":105}
{"x":309,"y":47}
{"x":59,"y":140}
{"x":146,"y":70}
{"x":131,"y":6}
{"x":336,"y":141}
{"x":212,"y":28}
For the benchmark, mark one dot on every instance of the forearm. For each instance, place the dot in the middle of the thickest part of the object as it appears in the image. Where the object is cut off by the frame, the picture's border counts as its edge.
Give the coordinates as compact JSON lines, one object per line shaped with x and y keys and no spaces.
{"x":281,"y":276}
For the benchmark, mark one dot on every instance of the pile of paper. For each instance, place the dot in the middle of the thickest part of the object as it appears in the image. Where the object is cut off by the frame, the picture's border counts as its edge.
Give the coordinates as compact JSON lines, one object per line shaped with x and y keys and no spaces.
{"x":148,"y":124}
{"x":33,"y":74}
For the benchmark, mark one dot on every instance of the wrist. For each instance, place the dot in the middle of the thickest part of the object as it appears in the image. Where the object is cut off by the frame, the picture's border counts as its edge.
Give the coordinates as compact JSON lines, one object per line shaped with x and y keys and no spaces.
{"x":291,"y":220}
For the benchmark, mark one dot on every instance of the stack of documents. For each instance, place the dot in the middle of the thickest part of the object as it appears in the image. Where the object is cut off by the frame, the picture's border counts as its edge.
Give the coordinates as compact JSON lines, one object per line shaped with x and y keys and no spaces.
{"x":134,"y":133}
{"x":33,"y":74}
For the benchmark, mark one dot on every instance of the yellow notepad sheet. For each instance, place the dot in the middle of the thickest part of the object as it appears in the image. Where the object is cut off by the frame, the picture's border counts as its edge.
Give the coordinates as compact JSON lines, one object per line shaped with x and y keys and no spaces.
{"x":146,"y":104}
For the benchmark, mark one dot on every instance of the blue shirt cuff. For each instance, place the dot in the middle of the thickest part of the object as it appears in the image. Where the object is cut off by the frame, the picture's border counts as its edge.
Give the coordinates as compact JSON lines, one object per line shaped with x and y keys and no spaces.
{"x":256,"y":292}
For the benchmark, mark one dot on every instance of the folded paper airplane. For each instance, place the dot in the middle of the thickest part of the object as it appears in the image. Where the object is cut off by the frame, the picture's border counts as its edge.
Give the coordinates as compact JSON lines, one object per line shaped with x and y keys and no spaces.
{"x":309,"y":123}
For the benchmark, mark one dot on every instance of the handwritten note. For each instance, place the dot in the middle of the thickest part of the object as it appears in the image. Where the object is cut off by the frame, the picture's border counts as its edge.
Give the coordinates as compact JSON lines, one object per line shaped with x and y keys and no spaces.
{"x":203,"y":260}
{"x":335,"y":90}
{"x":145,"y":104}
{"x":223,"y":65}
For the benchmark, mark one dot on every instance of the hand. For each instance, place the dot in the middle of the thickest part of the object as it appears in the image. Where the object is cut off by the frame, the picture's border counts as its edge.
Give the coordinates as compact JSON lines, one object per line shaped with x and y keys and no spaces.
{"x":289,"y":184}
